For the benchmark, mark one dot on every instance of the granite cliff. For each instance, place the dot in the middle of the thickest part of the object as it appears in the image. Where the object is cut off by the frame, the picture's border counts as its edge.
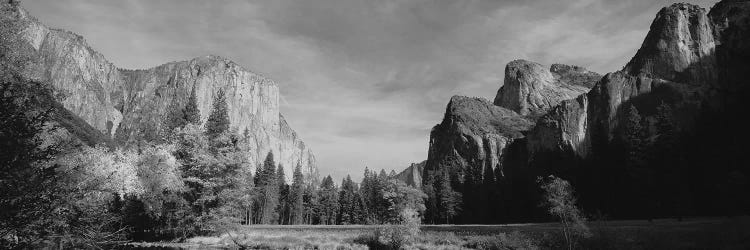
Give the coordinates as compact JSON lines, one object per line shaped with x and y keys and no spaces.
{"x":532,"y":89}
{"x":675,"y":65}
{"x":412,"y":175}
{"x":477,"y":133}
{"x":688,"y":84}
{"x":128,"y":106}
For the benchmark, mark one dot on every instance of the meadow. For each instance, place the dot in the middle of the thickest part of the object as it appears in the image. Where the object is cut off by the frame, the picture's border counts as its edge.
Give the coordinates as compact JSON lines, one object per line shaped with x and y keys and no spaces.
{"x":703,"y":233}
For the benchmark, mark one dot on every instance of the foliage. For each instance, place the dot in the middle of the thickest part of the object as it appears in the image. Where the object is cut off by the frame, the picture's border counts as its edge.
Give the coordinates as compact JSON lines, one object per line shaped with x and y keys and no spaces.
{"x":27,"y":181}
{"x":266,"y":180}
{"x":561,"y":203}
{"x":218,"y":120}
{"x":191,"y":113}
{"x":329,"y":202}
{"x":296,"y":197}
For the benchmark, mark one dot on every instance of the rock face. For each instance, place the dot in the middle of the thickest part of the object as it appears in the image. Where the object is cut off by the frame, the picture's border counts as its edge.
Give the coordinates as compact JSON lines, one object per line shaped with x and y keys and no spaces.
{"x":570,"y":122}
{"x":675,"y":65}
{"x":679,"y":47}
{"x":532,"y":89}
{"x":412,"y":175}
{"x":131,"y":105}
{"x":474,"y":133}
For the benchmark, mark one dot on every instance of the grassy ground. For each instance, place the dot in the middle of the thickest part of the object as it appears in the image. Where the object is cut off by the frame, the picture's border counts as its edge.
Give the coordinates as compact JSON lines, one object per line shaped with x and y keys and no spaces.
{"x":711,"y":233}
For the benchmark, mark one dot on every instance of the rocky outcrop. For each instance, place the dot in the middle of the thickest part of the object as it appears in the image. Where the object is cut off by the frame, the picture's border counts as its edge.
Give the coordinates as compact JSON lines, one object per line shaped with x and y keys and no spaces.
{"x":679,"y":47}
{"x":532,"y":89}
{"x":675,"y":65}
{"x":474,"y":133}
{"x":412,"y":175}
{"x":132,"y":105}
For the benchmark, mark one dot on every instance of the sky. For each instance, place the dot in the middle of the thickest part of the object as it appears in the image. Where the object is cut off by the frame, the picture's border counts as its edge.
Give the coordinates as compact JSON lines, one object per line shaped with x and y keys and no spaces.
{"x":364,"y":81}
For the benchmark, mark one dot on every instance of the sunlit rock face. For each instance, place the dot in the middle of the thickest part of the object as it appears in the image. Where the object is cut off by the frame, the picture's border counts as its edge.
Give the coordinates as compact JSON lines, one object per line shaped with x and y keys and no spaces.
{"x":412,"y":175}
{"x":573,"y":107}
{"x":252,"y":99}
{"x":532,"y":89}
{"x":679,"y":47}
{"x":131,"y":105}
{"x":676,"y":64}
{"x":474,"y":133}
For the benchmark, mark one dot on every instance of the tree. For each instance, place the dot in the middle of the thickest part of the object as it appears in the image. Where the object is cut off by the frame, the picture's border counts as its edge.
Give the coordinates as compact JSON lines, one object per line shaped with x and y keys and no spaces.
{"x":296,"y":197}
{"x":27,"y":181}
{"x":283,"y":208}
{"x":268,"y":185}
{"x":400,"y":197}
{"x":218,"y":120}
{"x":191,"y":114}
{"x":328,"y":202}
{"x":449,"y":201}
{"x":633,"y":138}
{"x":561,"y":203}
{"x":348,"y":213}
{"x":175,"y":118}
{"x":490,"y":196}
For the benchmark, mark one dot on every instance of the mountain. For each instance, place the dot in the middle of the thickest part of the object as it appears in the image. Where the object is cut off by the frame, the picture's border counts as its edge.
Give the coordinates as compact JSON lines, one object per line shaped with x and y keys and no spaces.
{"x":652,"y":139}
{"x":531,"y":88}
{"x":129,"y":106}
{"x":412,"y":175}
{"x":477,"y":133}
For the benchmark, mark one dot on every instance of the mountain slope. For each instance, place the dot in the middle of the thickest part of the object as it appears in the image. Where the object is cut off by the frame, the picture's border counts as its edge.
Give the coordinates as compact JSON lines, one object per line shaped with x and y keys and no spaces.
{"x":131,"y":105}
{"x":684,"y":90}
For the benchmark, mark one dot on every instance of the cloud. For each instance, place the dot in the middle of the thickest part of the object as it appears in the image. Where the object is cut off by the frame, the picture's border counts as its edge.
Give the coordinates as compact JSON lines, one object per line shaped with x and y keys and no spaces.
{"x":364,"y":81}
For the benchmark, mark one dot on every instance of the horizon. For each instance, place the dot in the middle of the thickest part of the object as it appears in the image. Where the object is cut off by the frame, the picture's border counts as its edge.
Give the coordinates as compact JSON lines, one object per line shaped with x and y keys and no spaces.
{"x":390,"y":74}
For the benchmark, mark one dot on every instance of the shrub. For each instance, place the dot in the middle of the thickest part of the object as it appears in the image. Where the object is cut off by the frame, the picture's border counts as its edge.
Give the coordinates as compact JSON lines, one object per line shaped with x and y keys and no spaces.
{"x":513,"y":240}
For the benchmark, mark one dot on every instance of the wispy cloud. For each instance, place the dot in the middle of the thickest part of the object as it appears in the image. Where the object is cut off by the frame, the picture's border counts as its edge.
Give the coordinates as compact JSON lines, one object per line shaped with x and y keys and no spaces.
{"x":363,"y":81}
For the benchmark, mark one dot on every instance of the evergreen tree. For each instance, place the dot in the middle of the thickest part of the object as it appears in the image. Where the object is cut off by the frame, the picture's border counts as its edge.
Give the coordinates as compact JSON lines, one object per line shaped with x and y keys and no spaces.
{"x":218,"y":121}
{"x":296,"y":197}
{"x":283,"y":208}
{"x":311,"y":203}
{"x":328,"y":202}
{"x":347,"y":202}
{"x":490,"y":196}
{"x":175,"y":118}
{"x":191,"y":114}
{"x":268,"y":186}
{"x":449,"y":201}
{"x":633,"y":140}
{"x":634,"y":177}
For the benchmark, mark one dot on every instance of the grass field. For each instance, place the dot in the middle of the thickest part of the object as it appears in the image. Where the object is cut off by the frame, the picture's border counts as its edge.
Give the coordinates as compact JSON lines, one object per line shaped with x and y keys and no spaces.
{"x":704,"y":233}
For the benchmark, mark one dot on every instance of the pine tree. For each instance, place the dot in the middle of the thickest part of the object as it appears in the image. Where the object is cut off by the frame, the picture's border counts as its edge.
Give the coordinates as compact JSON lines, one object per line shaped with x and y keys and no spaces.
{"x":633,"y":137}
{"x":490,"y":196}
{"x":175,"y":118}
{"x":191,"y":114}
{"x":296,"y":197}
{"x":347,"y":202}
{"x":328,"y":202}
{"x":283,"y":207}
{"x":449,"y":201}
{"x":218,"y":121}
{"x":268,"y":185}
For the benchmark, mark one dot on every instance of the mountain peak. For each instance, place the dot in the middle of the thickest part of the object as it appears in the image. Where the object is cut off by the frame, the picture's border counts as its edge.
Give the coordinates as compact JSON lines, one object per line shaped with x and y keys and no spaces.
{"x":530,"y":88}
{"x":679,"y":47}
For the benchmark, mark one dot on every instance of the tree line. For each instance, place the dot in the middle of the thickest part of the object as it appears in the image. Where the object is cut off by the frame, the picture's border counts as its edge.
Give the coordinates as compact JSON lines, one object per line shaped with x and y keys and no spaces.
{"x":196,"y":180}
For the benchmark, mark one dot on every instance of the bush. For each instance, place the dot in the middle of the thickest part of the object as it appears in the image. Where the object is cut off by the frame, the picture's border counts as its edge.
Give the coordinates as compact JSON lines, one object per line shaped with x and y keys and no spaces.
{"x":513,"y":240}
{"x":394,"y":236}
